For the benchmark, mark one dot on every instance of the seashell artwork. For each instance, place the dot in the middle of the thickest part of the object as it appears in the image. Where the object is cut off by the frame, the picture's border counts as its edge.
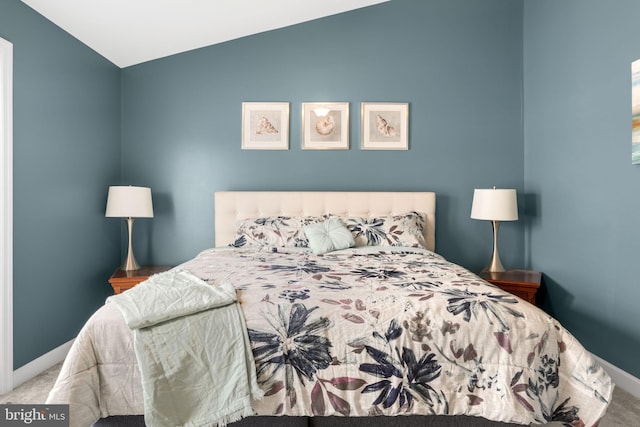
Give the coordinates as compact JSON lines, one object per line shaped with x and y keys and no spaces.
{"x":325,"y":125}
{"x":265,"y":126}
{"x":383,"y":127}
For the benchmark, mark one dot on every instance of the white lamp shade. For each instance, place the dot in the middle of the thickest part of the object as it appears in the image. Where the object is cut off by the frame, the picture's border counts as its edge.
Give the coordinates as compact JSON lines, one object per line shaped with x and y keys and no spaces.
{"x":494,"y":204}
{"x":129,"y":202}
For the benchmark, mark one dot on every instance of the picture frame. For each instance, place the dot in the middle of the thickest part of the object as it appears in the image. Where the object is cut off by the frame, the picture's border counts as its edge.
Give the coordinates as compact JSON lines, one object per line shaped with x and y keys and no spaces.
{"x":385,"y":126}
{"x":325,"y":125}
{"x":265,"y":125}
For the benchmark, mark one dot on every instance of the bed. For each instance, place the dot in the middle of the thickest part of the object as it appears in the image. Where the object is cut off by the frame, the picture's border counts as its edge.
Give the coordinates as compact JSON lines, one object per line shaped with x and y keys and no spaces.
{"x":353,"y":318}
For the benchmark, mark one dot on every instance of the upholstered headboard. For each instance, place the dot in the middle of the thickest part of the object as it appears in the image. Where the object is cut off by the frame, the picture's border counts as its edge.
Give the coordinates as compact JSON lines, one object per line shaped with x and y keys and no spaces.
{"x":231,"y":206}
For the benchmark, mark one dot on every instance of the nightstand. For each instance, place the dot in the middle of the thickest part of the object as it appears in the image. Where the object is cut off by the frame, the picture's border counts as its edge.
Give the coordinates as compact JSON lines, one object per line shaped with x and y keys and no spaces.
{"x":121,"y":280}
{"x":521,"y":283}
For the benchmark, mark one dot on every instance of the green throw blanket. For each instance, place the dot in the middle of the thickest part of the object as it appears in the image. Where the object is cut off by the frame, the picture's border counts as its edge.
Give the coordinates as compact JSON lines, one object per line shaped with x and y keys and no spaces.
{"x":192,"y":348}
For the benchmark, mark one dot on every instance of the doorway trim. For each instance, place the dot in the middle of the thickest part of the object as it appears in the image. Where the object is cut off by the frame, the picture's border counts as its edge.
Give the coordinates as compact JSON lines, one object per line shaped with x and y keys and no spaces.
{"x":6,"y":216}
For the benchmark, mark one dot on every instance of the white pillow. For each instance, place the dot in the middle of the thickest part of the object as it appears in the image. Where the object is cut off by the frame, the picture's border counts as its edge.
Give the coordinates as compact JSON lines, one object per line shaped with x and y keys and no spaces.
{"x":327,"y":236}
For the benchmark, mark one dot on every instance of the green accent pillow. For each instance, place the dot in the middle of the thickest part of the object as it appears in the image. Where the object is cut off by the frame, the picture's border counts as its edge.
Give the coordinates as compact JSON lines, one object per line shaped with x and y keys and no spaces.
{"x":327,"y":236}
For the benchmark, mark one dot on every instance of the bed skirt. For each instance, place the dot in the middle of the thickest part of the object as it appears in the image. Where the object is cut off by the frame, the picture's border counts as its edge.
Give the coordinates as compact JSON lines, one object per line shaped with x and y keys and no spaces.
{"x":400,"y":421}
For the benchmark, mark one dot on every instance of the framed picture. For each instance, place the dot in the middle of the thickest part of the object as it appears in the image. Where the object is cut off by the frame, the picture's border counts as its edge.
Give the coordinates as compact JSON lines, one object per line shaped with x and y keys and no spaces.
{"x":325,"y":125}
{"x":265,"y":125}
{"x":385,"y":126}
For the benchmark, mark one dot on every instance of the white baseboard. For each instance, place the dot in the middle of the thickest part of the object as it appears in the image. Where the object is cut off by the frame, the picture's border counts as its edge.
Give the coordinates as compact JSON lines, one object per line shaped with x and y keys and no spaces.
{"x":621,"y":378}
{"x":41,"y":364}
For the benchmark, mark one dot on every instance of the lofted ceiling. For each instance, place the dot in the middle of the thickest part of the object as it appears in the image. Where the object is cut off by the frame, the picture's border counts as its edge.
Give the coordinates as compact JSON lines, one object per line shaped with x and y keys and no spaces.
{"x":129,"y":32}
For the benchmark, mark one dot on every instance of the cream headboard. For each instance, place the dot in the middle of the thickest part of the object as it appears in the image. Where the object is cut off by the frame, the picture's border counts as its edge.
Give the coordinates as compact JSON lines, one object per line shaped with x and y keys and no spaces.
{"x":231,"y":206}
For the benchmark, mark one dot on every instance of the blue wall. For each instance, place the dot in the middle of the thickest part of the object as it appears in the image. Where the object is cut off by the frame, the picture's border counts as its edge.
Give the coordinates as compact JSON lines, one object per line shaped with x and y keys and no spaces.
{"x":66,"y":153}
{"x":457,"y":62}
{"x":583,"y":190}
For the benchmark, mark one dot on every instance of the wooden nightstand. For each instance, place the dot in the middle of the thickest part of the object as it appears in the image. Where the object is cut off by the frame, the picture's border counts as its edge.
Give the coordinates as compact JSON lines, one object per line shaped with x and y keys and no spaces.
{"x":521,"y":283}
{"x":121,"y":280}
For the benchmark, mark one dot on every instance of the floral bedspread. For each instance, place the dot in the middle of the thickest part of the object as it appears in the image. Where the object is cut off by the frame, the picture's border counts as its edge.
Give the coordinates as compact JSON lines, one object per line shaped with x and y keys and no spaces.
{"x":399,"y":331}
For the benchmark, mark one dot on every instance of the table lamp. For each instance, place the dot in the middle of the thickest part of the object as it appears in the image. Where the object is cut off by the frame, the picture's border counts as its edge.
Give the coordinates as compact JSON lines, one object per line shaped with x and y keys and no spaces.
{"x":129,"y":202}
{"x":494,"y":205}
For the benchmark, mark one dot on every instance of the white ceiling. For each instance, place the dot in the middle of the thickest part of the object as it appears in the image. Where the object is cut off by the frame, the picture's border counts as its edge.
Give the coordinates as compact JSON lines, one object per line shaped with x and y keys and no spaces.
{"x":128,"y":32}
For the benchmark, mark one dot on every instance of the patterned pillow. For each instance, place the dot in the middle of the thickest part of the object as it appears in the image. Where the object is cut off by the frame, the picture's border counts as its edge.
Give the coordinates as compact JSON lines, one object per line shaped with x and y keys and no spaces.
{"x":397,"y":230}
{"x":278,"y":231}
